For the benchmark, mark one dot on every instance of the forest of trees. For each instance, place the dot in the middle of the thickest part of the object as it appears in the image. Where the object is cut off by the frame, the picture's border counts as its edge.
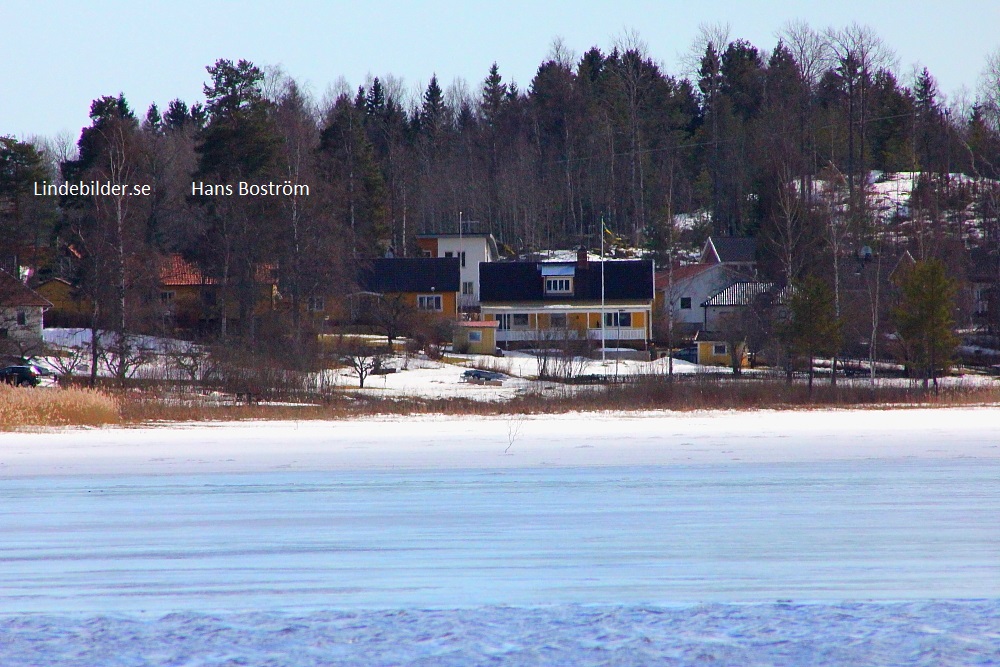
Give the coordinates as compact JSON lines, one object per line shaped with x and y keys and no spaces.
{"x":777,"y":145}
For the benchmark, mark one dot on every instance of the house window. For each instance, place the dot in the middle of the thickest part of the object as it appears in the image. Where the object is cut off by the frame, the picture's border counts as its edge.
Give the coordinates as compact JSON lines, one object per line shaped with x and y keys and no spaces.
{"x":22,"y":318}
{"x":685,"y":303}
{"x":208,"y":297}
{"x":617,"y":319}
{"x":462,"y":255}
{"x":558,"y":285}
{"x":475,"y":336}
{"x":559,"y":321}
{"x":504,"y":321}
{"x":519,"y":319}
{"x":166,"y":298}
{"x":429,"y":302}
{"x":449,"y":254}
{"x":316,"y":304}
{"x":719,"y":350}
{"x":468,"y":288}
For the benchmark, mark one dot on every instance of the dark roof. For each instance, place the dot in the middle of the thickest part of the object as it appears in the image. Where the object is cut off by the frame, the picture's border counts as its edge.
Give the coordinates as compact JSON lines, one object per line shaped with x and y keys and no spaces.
{"x":733,"y":249}
{"x":412,"y":274}
{"x":984,"y":265}
{"x":743,"y":294}
{"x":522,"y":281}
{"x":14,"y":293}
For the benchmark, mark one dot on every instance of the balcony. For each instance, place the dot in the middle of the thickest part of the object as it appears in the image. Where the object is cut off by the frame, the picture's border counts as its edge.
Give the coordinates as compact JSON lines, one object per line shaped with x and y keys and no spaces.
{"x":532,"y":335}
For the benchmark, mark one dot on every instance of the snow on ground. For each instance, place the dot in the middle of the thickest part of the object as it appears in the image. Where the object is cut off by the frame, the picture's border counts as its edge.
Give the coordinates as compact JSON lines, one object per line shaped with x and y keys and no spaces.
{"x":575,"y":439}
{"x":424,"y":378}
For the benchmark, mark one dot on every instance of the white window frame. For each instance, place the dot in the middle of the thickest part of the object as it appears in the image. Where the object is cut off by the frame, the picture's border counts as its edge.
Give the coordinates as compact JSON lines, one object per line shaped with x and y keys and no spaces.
{"x":430,"y":303}
{"x":717,"y":346}
{"x":558,"y":285}
{"x":519,"y":320}
{"x":560,"y":325}
{"x":475,"y":336}
{"x":618,"y":319}
{"x":686,"y":299}
{"x":468,"y":288}
{"x":316,"y":304}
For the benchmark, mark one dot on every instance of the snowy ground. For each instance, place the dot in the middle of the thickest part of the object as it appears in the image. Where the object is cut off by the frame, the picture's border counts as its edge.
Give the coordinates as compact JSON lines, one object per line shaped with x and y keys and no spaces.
{"x":821,"y":538}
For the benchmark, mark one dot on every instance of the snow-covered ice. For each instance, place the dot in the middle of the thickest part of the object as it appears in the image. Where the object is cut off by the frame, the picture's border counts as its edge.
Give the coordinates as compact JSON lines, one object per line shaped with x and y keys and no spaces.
{"x":823,"y":538}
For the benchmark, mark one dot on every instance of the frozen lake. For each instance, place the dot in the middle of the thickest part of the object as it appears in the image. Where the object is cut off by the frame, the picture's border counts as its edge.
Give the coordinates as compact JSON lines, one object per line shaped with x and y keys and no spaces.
{"x":222,"y":546}
{"x":872,"y":530}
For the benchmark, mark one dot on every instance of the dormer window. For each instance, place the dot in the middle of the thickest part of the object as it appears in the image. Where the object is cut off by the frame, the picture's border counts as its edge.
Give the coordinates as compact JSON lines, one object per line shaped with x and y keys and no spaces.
{"x":557,"y":279}
{"x":558,"y":285}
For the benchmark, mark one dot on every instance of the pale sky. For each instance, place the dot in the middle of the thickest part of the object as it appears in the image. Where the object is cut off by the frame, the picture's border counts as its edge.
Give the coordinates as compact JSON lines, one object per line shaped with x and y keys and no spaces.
{"x":57,"y":57}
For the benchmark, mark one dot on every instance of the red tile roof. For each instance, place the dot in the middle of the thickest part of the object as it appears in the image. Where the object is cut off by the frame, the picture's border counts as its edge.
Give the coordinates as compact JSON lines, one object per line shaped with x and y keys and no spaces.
{"x":175,"y":271}
{"x":682,"y":272}
{"x":14,"y":293}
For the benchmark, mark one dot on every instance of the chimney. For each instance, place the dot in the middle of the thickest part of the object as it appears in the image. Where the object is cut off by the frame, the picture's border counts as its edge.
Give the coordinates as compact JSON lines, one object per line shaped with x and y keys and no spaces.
{"x":581,"y":258}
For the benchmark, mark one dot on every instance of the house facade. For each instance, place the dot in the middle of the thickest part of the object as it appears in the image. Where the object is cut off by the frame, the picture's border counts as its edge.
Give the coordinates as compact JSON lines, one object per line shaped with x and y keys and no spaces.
{"x":471,"y":250}
{"x":736,"y":299}
{"x":558,"y":302}
{"x":69,"y":307}
{"x":21,"y":312}
{"x":192,"y":300}
{"x":984,"y":288}
{"x":682,"y":291}
{"x":426,"y":284}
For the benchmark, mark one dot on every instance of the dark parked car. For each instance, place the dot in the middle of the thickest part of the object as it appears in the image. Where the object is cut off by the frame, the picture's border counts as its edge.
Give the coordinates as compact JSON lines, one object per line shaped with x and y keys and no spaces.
{"x":19,"y":375}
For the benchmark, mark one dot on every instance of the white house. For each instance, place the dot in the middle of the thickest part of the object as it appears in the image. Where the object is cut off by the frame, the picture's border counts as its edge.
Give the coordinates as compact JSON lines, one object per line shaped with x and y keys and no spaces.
{"x":683,"y":290}
{"x":471,"y":251}
{"x":21,"y":311}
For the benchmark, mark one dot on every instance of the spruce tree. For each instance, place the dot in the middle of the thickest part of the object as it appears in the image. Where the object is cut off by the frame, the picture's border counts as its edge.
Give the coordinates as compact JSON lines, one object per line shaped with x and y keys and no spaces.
{"x":925,"y":318}
{"x":813,"y":328}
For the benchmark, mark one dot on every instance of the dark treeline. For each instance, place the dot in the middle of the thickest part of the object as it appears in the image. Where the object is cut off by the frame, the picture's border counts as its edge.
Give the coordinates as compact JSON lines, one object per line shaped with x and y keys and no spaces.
{"x":776,"y":145}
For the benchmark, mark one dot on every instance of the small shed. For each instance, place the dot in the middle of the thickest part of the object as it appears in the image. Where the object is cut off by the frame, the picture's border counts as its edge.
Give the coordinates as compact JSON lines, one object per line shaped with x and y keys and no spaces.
{"x":475,"y":337}
{"x":717,"y":353}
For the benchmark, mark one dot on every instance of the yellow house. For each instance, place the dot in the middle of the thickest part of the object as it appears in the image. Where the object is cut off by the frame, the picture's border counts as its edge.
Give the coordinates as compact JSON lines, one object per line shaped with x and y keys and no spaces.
{"x":426,"y":284}
{"x":69,"y":309}
{"x":191,"y":299}
{"x":607,"y":302}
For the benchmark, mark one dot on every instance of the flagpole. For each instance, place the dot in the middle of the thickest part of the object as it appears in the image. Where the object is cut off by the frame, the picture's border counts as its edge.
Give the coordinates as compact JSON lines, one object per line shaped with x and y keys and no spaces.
{"x":604,"y":345}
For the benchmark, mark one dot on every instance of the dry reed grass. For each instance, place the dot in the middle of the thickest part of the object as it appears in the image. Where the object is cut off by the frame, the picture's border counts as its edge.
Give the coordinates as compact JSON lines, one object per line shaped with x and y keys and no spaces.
{"x":22,"y":408}
{"x":26,"y":408}
{"x":653,"y":393}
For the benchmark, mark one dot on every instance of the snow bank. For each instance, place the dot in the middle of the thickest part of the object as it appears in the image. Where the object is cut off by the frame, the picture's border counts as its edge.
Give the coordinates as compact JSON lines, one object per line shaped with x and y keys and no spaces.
{"x":429,"y":442}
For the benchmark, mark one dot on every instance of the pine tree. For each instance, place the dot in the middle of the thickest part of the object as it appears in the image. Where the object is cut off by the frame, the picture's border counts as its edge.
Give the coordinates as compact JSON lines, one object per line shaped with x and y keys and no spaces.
{"x":925,"y":318}
{"x":357,"y":188}
{"x":813,"y":328}
{"x":238,"y":143}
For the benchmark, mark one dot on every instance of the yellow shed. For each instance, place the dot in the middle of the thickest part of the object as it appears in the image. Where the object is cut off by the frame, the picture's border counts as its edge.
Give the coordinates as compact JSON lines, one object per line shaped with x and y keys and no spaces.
{"x":717,"y":353}
{"x":475,"y":337}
